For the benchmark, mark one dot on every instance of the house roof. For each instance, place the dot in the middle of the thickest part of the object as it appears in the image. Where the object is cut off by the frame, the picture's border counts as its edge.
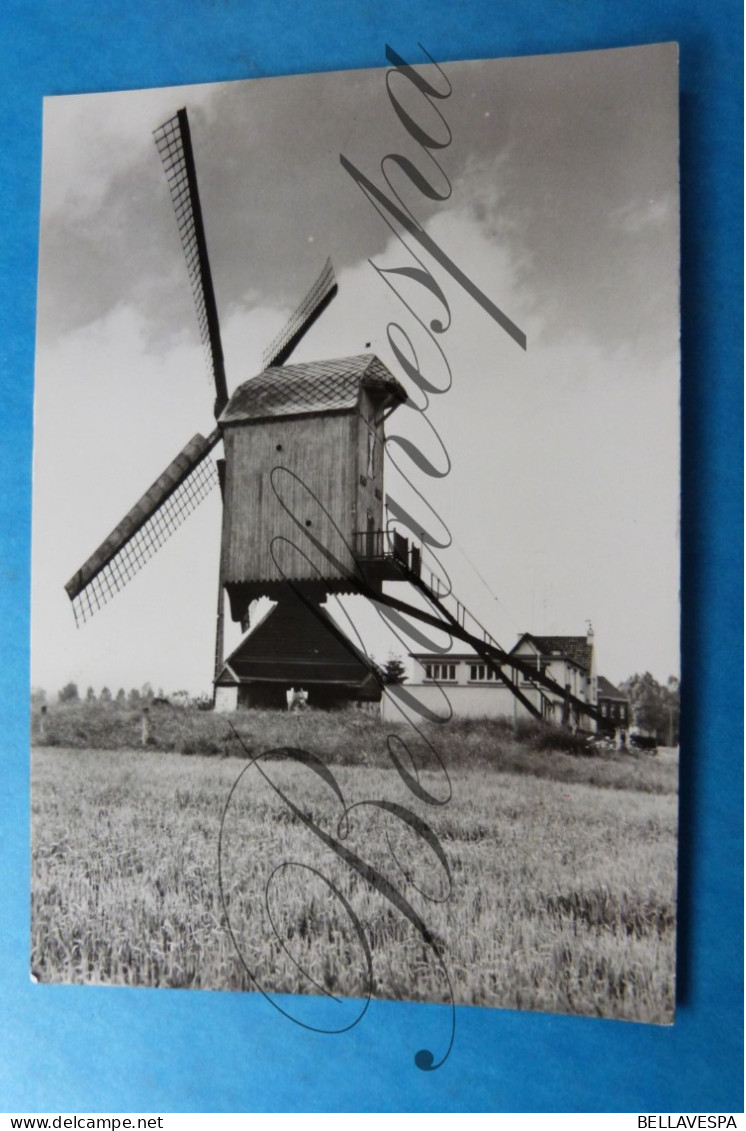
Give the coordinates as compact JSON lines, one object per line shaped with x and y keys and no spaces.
{"x":606,"y":690}
{"x":312,"y":386}
{"x":574,"y":648}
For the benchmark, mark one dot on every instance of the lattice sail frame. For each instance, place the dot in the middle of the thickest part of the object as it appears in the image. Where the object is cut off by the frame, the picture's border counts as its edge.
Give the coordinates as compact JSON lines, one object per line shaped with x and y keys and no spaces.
{"x":145,"y":528}
{"x":173,"y":141}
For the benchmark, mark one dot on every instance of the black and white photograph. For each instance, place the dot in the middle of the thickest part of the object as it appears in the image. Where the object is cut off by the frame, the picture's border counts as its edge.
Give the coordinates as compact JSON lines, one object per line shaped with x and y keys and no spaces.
{"x":355,"y":559}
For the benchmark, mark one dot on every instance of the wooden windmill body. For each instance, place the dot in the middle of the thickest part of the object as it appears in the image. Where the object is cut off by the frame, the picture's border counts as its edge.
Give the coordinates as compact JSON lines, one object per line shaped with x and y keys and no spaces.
{"x":304,"y":452}
{"x":303,"y":493}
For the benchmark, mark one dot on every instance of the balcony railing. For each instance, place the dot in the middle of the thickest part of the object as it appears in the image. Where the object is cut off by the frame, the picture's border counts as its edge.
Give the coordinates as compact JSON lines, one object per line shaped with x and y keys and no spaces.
{"x":384,"y":546}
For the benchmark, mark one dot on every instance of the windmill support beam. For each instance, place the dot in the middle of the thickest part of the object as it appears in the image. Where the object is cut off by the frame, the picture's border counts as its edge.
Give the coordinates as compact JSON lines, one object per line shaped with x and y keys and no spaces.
{"x":491,"y":656}
{"x":219,"y":632}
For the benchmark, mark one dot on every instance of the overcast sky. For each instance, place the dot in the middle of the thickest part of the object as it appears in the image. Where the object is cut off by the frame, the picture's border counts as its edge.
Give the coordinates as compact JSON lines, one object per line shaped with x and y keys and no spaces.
{"x":563,"y":496}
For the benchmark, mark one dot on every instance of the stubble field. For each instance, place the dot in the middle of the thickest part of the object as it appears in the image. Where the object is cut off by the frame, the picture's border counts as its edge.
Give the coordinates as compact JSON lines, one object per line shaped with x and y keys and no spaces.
{"x":547,"y":881}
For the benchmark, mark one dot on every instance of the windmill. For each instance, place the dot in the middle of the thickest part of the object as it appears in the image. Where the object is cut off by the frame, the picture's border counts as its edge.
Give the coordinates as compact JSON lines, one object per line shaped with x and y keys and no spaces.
{"x":321,"y":424}
{"x":302,"y":488}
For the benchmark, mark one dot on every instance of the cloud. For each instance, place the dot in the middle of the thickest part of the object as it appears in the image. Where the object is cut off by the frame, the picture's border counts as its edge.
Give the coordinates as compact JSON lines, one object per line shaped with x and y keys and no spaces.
{"x":639,"y":216}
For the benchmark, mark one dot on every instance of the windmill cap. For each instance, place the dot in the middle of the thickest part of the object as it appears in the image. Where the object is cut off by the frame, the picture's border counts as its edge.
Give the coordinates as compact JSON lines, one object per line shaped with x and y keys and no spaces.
{"x":311,"y":387}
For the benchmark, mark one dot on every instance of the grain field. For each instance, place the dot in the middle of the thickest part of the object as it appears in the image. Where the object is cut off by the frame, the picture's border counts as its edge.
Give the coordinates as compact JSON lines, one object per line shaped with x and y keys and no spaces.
{"x":153,"y":868}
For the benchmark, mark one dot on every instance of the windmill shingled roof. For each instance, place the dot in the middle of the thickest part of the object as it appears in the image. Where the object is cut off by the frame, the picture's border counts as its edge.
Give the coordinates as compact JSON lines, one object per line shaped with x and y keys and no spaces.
{"x":311,"y":386}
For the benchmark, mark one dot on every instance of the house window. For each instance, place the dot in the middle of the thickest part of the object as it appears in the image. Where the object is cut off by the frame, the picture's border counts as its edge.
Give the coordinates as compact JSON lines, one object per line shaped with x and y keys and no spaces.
{"x":482,"y":673}
{"x":604,"y":710}
{"x":479,"y":672}
{"x":623,"y":712}
{"x":440,"y":672}
{"x":613,"y":710}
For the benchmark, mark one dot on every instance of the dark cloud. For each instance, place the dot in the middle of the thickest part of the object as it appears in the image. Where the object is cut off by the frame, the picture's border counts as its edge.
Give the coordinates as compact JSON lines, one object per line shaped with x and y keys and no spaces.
{"x":583,"y":190}
{"x":568,"y":161}
{"x":275,"y":200}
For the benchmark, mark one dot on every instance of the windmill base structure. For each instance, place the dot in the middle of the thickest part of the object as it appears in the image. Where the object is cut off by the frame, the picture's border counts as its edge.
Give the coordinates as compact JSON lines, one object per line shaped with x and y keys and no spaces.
{"x":295,"y":647}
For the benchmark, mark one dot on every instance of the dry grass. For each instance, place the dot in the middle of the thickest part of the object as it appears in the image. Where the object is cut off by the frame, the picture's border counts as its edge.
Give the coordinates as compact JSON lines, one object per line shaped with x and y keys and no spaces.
{"x":356,"y":738}
{"x":562,"y":895}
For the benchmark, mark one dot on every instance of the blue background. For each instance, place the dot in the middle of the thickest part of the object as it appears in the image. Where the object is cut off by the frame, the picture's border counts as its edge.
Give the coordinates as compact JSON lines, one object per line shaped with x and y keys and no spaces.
{"x":73,"y":1049}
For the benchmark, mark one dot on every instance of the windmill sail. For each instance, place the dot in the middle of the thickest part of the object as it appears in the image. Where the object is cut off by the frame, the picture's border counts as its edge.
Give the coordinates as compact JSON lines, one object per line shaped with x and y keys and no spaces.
{"x":143,"y":530}
{"x":316,"y":301}
{"x":174,"y":144}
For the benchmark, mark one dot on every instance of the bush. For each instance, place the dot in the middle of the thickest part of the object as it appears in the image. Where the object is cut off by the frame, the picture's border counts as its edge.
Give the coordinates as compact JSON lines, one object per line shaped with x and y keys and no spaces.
{"x":199,"y":744}
{"x":543,"y":736}
{"x":356,"y":738}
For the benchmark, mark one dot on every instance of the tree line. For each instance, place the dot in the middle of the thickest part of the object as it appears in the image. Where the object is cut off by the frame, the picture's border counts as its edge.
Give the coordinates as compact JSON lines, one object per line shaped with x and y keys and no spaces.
{"x":654,"y":706}
{"x":393,"y":671}
{"x":135,"y":697}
